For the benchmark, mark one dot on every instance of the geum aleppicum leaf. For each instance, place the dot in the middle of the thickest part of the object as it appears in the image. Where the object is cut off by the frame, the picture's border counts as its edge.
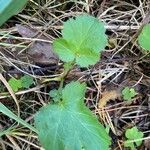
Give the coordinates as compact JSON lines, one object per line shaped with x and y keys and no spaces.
{"x":15,"y":84}
{"x":27,"y":81}
{"x":128,"y":93}
{"x":133,"y":134}
{"x":82,"y":40}
{"x":24,"y":82}
{"x":69,"y":124}
{"x":144,"y":37}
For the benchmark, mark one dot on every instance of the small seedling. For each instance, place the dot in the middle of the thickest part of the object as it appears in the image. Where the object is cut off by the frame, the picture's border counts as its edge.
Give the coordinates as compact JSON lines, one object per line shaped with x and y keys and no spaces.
{"x":27,"y":81}
{"x":15,"y":84}
{"x":55,"y":95}
{"x":144,"y":38}
{"x":66,"y":123}
{"x":24,"y":82}
{"x":133,"y":134}
{"x":128,"y":93}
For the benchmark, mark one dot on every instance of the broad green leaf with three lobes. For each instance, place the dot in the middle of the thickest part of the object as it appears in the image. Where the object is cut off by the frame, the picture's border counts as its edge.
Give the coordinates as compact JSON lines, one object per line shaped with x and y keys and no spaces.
{"x":70,"y":125}
{"x":9,"y":8}
{"x":144,"y":37}
{"x":82,"y":40}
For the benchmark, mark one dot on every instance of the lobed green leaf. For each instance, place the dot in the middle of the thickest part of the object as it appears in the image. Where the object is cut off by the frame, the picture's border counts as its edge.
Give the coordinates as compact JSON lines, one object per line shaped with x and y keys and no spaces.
{"x":70,"y":125}
{"x":15,"y":84}
{"x":27,"y":81}
{"x":128,"y":93}
{"x":83,"y":39}
{"x":133,"y":134}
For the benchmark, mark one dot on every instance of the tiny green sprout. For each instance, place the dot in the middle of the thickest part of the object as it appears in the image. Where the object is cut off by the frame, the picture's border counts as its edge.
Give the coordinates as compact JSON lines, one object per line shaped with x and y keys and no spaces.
{"x":66,"y":123}
{"x":15,"y":84}
{"x":55,"y":95}
{"x":24,"y":82}
{"x":27,"y":81}
{"x":133,"y":134}
{"x":144,"y":37}
{"x":128,"y":93}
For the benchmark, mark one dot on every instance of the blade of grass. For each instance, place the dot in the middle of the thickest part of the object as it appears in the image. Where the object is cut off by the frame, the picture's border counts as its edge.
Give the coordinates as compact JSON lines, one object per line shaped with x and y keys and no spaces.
{"x":8,"y":8}
{"x":10,"y":114}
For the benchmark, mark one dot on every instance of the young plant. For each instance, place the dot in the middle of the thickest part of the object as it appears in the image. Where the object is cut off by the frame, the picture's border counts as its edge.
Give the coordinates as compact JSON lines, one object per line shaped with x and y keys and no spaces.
{"x":66,"y":123}
{"x":144,"y":38}
{"x":24,"y":82}
{"x":133,"y":134}
{"x":69,"y":124}
{"x":128,"y":93}
{"x":15,"y":84}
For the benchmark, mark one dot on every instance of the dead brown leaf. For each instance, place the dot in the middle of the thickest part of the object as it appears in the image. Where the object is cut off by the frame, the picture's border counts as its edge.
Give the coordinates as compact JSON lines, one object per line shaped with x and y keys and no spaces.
{"x":147,"y":143}
{"x":40,"y":52}
{"x":107,"y":96}
{"x":26,"y":31}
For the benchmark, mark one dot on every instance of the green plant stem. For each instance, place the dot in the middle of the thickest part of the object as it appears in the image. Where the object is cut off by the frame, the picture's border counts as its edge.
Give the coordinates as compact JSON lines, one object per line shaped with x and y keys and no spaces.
{"x":62,"y":76}
{"x":67,"y":68}
{"x":51,"y":79}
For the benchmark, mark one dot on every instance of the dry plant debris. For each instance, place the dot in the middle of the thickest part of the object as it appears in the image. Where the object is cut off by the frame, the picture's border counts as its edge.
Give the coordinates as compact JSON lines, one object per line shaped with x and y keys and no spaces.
{"x":25,"y":49}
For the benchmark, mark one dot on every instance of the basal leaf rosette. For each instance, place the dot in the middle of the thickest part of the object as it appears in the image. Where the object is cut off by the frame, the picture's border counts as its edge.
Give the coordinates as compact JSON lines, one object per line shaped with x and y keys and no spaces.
{"x":82,"y":40}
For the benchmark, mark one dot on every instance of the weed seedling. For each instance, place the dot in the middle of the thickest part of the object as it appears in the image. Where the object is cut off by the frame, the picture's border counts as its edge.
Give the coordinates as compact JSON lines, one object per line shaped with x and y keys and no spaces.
{"x":24,"y":82}
{"x":133,"y":134}
{"x":144,"y":38}
{"x":128,"y":93}
{"x":66,"y":123}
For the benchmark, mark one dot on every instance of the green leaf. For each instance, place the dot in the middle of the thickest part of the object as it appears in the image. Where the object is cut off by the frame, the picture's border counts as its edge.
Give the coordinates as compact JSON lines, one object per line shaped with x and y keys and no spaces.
{"x":15,"y":84}
{"x":55,"y":94}
{"x":70,"y":125}
{"x":129,"y":144}
{"x":9,"y":8}
{"x":134,"y":134}
{"x":144,"y":38}
{"x":83,"y":39}
{"x":27,"y":81}
{"x":128,"y":93}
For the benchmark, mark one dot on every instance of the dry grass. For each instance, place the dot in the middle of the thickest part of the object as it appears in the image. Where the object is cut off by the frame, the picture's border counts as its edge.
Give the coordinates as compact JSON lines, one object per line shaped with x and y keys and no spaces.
{"x":122,"y":64}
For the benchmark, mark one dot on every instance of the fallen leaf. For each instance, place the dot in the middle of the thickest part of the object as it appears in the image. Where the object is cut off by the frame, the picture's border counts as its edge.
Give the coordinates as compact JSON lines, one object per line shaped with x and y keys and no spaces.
{"x":40,"y":52}
{"x":147,"y":143}
{"x":26,"y":31}
{"x":107,"y":96}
